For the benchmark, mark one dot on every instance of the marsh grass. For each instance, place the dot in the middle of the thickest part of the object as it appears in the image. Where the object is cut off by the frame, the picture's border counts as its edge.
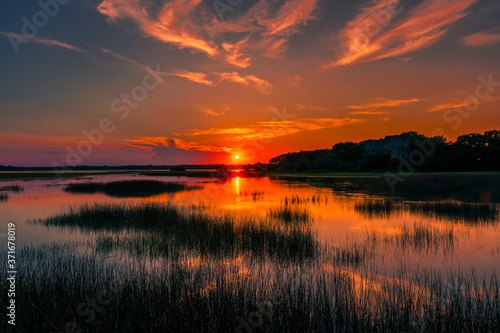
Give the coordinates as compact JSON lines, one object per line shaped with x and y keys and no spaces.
{"x":12,"y":188}
{"x":254,"y":195}
{"x":4,"y":197}
{"x":420,"y":237}
{"x":470,"y":213}
{"x":465,"y":212}
{"x":128,"y":188}
{"x":226,"y":295}
{"x":376,"y":208}
{"x":191,"y":228}
{"x":296,"y":200}
{"x":290,"y":214}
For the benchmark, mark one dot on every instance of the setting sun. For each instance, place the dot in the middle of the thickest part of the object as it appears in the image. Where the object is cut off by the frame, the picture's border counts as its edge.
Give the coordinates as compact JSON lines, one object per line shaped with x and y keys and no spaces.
{"x":237,"y":157}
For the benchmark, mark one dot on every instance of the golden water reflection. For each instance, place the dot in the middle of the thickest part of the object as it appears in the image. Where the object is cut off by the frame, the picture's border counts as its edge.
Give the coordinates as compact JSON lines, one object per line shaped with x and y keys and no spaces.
{"x":336,"y":220}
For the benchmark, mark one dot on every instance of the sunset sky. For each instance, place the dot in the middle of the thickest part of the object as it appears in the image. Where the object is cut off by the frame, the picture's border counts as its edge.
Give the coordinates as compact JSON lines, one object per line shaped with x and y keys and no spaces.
{"x":195,"y":82}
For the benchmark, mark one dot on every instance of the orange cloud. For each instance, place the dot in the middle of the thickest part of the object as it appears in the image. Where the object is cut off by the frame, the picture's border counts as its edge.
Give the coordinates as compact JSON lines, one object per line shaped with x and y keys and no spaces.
{"x":384,"y":103}
{"x":273,"y":129}
{"x":301,"y":107}
{"x":148,"y":143}
{"x":371,"y":36}
{"x":247,"y":80}
{"x":482,"y":39}
{"x":212,"y":112}
{"x":219,"y":131}
{"x":234,"y":55}
{"x":172,"y":25}
{"x":370,"y":113}
{"x":460,"y":104}
{"x":188,"y":24}
{"x":290,"y":16}
{"x":192,"y":76}
{"x":274,"y":47}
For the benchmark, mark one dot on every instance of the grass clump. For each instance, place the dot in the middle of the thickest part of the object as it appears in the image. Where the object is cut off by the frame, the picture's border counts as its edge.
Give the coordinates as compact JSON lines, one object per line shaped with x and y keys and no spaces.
{"x":132,"y":188}
{"x":12,"y":188}
{"x":289,"y":214}
{"x":191,"y":228}
{"x":464,"y":212}
{"x":421,"y":237}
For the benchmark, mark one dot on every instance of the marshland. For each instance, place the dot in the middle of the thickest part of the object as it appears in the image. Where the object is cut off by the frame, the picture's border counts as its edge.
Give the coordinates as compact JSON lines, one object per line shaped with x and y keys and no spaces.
{"x":150,"y":253}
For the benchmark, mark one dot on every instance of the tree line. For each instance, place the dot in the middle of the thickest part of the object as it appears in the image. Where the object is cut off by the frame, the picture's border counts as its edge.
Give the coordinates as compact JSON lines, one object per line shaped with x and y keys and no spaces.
{"x":470,"y":152}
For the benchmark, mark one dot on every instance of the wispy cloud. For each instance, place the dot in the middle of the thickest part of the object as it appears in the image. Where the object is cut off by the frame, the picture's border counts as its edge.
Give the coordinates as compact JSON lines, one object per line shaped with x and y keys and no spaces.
{"x":155,"y":73}
{"x":273,"y":129}
{"x":302,"y":107}
{"x":424,"y":26}
{"x":43,"y":41}
{"x":370,"y":113}
{"x":178,"y":151}
{"x":189,"y":24}
{"x":462,"y":103}
{"x":482,"y":39}
{"x":221,"y":131}
{"x":215,"y":78}
{"x":193,"y":76}
{"x":213,"y":112}
{"x":234,"y":54}
{"x":148,"y":143}
{"x":247,"y":80}
{"x":293,"y":14}
{"x":172,"y":24}
{"x":380,"y":103}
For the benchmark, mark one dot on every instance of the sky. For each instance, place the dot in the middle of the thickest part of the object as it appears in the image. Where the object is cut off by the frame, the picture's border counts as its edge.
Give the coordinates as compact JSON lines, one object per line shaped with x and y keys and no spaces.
{"x":120,"y":82}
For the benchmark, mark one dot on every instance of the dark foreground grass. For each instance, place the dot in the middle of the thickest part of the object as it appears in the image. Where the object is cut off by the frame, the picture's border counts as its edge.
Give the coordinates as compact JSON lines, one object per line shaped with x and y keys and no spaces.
{"x":473,"y":187}
{"x":4,"y":197}
{"x":189,"y":271}
{"x":193,"y":229}
{"x":129,"y":188}
{"x":86,"y":293}
{"x":465,"y":212}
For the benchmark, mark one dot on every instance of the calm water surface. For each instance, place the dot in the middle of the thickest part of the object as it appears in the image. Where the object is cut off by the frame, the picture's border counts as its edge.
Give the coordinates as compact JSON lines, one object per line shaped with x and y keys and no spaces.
{"x":336,"y":220}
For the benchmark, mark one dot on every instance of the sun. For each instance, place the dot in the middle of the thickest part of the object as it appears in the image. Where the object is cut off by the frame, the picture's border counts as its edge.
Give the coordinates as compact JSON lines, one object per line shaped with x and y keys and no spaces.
{"x":237,"y":157}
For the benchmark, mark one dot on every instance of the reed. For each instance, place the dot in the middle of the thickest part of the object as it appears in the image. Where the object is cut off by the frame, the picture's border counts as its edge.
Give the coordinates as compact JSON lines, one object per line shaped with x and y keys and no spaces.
{"x":132,"y":188}
{"x":84,"y":291}
{"x":290,"y":214}
{"x":464,"y":212}
{"x":192,"y":228}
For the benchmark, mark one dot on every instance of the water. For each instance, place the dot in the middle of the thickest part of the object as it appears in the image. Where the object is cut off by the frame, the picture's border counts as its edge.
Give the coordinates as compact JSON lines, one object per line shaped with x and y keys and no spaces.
{"x":336,"y":220}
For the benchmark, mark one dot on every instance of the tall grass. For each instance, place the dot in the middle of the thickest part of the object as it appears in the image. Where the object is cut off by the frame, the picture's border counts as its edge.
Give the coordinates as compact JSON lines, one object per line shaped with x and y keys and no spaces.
{"x":181,"y":294}
{"x":130,"y":188}
{"x":422,"y":237}
{"x":12,"y":188}
{"x":4,"y":197}
{"x":465,"y":212}
{"x":255,"y":195}
{"x":290,"y":215}
{"x":296,"y":200}
{"x":192,"y":228}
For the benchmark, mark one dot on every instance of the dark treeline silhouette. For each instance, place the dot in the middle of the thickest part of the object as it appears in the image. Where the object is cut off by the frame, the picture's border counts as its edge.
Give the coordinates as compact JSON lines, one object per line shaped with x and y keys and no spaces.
{"x":470,"y":152}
